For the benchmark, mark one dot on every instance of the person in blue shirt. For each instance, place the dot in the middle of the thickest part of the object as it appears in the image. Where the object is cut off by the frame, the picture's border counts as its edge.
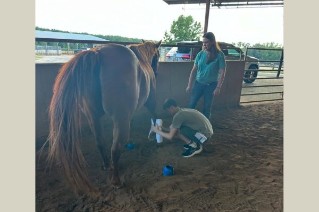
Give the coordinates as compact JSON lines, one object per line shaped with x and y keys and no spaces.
{"x":207,"y":74}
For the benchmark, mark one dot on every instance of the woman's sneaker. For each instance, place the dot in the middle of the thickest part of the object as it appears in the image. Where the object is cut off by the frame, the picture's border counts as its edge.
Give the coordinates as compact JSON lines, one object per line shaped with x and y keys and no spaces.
{"x":192,"y":151}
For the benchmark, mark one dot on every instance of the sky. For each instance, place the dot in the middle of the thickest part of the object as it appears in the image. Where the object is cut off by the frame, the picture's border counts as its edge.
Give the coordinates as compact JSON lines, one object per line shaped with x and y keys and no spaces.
{"x":149,"y":19}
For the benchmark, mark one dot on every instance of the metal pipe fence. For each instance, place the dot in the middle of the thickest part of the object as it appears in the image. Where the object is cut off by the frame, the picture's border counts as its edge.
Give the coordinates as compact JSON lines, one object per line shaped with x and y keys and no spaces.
{"x":267,"y":87}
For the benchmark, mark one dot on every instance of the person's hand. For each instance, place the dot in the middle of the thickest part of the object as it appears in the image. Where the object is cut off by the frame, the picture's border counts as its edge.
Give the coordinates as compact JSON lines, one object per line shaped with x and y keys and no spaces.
{"x":155,"y":128}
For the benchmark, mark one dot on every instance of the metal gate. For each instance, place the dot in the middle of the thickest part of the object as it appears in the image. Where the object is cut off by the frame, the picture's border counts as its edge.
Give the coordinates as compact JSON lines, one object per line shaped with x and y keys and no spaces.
{"x":267,"y":83}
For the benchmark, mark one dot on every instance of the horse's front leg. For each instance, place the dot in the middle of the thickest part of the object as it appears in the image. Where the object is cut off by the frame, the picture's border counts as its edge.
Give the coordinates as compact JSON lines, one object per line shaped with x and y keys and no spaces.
{"x":121,"y":129}
{"x":150,"y":104}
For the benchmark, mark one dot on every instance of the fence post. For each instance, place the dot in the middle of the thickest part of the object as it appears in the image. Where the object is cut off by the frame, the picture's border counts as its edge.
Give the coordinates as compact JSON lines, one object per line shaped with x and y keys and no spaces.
{"x":280,"y":63}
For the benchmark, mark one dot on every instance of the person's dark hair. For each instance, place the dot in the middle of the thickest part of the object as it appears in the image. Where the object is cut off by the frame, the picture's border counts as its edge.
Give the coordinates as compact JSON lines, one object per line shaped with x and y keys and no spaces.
{"x":211,"y":37}
{"x":168,"y":103}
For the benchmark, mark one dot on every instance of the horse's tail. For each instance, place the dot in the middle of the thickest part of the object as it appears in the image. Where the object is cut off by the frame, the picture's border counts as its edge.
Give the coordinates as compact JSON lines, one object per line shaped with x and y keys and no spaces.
{"x":76,"y":88}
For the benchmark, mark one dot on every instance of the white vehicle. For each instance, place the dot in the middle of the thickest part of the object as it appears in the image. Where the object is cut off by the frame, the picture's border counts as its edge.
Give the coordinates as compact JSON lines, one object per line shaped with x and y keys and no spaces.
{"x":174,"y":55}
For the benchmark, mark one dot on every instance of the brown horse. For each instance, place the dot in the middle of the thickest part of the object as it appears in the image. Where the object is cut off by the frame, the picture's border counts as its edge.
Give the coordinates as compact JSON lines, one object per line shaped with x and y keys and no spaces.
{"x":115,"y":79}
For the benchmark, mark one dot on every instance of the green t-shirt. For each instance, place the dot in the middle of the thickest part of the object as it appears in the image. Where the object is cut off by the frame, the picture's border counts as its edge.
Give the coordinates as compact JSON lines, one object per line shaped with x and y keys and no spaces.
{"x":194,"y":119}
{"x":207,"y":73}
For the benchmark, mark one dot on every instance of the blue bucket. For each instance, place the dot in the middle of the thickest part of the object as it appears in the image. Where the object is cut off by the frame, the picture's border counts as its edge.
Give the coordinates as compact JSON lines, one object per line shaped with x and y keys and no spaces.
{"x":168,"y":170}
{"x":130,"y":146}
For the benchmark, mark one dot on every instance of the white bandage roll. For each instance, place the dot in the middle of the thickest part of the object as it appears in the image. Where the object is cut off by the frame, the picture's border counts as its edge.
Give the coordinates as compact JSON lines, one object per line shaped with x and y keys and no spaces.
{"x":159,"y":138}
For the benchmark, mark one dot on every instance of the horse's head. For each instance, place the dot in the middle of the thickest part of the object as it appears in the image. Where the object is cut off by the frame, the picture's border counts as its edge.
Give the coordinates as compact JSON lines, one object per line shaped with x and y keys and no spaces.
{"x":154,"y":53}
{"x":147,"y":53}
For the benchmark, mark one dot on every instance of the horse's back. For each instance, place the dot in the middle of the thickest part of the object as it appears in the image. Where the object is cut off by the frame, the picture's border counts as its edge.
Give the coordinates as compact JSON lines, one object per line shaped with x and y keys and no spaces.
{"x":117,"y":56}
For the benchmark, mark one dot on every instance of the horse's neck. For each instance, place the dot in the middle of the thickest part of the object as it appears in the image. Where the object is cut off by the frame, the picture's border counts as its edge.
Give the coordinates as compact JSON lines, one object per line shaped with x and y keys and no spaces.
{"x":141,"y":54}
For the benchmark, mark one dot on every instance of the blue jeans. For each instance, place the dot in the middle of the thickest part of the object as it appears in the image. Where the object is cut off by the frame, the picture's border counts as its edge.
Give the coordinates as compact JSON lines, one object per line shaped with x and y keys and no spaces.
{"x":206,"y":90}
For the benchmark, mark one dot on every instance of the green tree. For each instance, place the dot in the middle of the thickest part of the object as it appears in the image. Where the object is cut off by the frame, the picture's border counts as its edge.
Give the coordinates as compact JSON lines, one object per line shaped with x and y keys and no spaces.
{"x":117,"y":38}
{"x":114,"y":38}
{"x":263,"y":54}
{"x":183,"y":29}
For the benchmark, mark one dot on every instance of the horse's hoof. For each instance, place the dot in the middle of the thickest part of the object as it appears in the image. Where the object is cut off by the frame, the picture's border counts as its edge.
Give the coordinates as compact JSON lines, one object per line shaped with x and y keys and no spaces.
{"x":151,"y":136}
{"x":118,"y":185}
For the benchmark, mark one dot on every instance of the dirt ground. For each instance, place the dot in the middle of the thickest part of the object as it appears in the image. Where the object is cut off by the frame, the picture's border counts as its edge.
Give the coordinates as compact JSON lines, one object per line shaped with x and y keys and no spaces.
{"x":240,"y":169}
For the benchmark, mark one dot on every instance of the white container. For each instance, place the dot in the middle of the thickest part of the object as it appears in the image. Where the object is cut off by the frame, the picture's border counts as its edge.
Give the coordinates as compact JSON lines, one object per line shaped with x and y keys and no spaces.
{"x":159,"y":138}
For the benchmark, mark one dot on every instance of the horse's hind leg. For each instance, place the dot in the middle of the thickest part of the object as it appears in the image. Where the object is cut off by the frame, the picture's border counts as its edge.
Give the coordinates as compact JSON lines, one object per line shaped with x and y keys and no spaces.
{"x":100,"y":142}
{"x":121,"y":129}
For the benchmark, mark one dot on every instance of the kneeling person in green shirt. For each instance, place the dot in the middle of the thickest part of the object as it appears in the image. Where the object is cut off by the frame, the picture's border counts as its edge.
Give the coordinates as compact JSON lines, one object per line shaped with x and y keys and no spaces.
{"x":188,"y":125}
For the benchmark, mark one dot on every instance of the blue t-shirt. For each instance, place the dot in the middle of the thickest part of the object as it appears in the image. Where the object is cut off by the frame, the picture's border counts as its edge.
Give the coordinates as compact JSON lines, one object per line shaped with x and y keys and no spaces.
{"x":208,"y":73}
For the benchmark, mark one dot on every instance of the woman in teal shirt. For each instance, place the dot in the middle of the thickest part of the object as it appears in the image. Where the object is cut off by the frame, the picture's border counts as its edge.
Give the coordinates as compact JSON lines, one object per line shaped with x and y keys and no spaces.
{"x":207,"y":74}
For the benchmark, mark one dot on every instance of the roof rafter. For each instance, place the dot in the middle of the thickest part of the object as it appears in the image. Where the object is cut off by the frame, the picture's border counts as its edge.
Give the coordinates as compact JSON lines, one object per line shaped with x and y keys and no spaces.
{"x":231,"y":3}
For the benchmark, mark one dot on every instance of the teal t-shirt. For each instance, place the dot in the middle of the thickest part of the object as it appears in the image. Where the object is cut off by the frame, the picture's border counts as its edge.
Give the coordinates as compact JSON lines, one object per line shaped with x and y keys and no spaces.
{"x":207,"y":73}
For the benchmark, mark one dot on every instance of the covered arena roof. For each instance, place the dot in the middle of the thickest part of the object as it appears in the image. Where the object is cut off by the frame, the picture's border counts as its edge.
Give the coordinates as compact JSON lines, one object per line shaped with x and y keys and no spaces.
{"x":228,"y":4}
{"x":64,"y":37}
{"x":231,"y":3}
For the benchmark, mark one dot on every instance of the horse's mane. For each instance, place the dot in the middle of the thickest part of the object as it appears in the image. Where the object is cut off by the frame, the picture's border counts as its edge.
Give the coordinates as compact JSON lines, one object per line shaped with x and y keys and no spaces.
{"x":144,"y":51}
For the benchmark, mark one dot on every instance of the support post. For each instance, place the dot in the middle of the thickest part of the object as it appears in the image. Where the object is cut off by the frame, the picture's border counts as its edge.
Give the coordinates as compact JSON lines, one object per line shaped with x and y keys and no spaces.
{"x":207,"y":15}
